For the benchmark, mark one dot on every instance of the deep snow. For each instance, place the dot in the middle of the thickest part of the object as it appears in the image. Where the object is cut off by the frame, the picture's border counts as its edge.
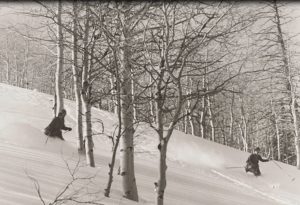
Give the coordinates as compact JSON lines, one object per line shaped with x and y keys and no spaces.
{"x":197,"y":169}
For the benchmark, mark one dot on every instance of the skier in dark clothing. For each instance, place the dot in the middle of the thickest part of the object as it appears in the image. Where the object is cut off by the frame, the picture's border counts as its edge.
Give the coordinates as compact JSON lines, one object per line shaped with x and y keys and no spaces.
{"x":252,"y":162}
{"x":56,"y":125}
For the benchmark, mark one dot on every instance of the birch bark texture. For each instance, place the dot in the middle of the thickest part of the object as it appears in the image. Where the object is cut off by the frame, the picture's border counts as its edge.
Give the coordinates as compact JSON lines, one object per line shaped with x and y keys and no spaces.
{"x":76,"y":80}
{"x":60,"y":56}
{"x":126,"y":141}
{"x":86,"y":94}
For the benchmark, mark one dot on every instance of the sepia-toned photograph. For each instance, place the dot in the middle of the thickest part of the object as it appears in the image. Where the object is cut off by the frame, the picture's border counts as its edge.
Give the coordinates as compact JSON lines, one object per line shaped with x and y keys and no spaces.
{"x":149,"y":102}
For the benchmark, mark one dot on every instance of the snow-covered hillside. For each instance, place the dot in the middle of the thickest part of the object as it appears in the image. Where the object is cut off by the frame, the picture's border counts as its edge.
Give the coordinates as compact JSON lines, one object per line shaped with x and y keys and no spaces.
{"x":198,"y":170}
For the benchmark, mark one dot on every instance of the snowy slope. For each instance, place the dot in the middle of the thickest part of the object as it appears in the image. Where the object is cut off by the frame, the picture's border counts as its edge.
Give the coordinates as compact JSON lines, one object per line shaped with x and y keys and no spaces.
{"x":197,"y":172}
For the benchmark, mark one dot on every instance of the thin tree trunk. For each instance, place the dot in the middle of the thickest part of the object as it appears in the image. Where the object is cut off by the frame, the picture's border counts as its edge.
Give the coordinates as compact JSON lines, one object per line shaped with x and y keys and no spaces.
{"x":152,"y":103}
{"x":134,"y":106}
{"x":7,"y":63}
{"x":126,"y":142}
{"x":163,"y":140}
{"x":113,"y":105}
{"x":59,"y":69}
{"x":204,"y":100}
{"x":277,"y":131}
{"x":231,"y":120}
{"x":77,"y":88}
{"x":243,"y":129}
{"x":25,"y":66}
{"x":89,"y":144}
{"x":118,"y":137}
{"x":244,"y":140}
{"x":296,"y":128}
{"x":224,"y":136}
{"x":203,"y":112}
{"x":189,"y":118}
{"x":162,"y":180}
{"x":162,"y":147}
{"x":86,"y":95}
{"x":17,"y":69}
{"x":289,"y":83}
{"x":211,"y":121}
{"x":209,"y":109}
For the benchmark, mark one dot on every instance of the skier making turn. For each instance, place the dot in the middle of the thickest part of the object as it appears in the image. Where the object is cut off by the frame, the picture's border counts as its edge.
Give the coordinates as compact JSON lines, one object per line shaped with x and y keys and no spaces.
{"x":252,"y":162}
{"x":56,"y":125}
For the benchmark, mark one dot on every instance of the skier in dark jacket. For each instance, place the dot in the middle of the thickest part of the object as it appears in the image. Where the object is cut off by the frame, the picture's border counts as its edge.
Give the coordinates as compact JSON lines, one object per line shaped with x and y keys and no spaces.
{"x":56,"y":125}
{"x":252,"y":162}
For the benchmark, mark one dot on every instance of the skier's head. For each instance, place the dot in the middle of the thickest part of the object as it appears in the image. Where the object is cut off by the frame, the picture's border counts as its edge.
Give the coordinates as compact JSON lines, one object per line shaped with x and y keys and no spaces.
{"x":257,"y":150}
{"x":62,"y":113}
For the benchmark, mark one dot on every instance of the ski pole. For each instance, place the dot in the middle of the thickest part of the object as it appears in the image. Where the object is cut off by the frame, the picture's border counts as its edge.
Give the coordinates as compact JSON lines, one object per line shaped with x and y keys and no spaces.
{"x":47,"y":139}
{"x":233,"y":167}
{"x":293,"y":178}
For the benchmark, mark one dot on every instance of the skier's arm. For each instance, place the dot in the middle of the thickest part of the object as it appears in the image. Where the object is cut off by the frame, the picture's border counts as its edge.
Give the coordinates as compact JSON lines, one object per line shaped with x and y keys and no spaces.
{"x":261,"y":159}
{"x":63,"y":127}
{"x":66,"y":128}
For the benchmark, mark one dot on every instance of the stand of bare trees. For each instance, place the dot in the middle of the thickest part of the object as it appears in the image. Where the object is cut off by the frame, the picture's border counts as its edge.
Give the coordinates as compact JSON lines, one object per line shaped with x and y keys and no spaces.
{"x":208,"y":69}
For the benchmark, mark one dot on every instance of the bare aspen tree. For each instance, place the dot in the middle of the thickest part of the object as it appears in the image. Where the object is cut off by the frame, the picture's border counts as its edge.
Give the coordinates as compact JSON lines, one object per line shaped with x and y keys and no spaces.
{"x":86,"y":93}
{"x":119,"y":132}
{"x":126,"y":16}
{"x":113,"y":105}
{"x":135,"y":119}
{"x":5,"y":57}
{"x":151,"y":102}
{"x":176,"y":47}
{"x":211,"y":120}
{"x":243,"y":126}
{"x":60,"y":56}
{"x":16,"y":65}
{"x":231,"y":118}
{"x":24,"y":77}
{"x":289,"y":81}
{"x":164,"y":75}
{"x":77,"y":86}
{"x":126,"y":142}
{"x":203,"y":114}
{"x":275,"y":119}
{"x":189,"y":114}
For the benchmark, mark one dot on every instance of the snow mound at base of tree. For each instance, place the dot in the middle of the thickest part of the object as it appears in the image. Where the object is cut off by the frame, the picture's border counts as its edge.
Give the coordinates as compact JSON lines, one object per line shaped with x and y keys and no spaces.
{"x":25,"y":135}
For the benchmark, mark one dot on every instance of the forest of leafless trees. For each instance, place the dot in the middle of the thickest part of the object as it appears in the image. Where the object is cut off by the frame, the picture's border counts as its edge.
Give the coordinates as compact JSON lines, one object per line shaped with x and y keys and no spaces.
{"x":223,"y":71}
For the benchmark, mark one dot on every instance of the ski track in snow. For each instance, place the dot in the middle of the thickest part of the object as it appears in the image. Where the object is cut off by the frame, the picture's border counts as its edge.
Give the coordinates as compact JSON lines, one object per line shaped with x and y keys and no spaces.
{"x":250,"y":187}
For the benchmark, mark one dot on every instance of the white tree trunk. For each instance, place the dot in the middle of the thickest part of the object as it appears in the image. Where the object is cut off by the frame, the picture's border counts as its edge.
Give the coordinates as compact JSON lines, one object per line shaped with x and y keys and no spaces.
{"x":231,"y":120}
{"x":113,"y":105}
{"x":89,"y":144}
{"x":133,"y":99}
{"x":126,"y":142}
{"x":117,"y":137}
{"x":189,"y":118}
{"x":152,"y":102}
{"x":24,"y":77}
{"x":243,"y":130}
{"x":277,"y":131}
{"x":161,"y":184}
{"x":59,"y":68}
{"x":211,"y":120}
{"x":86,"y":95}
{"x":77,"y":87}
